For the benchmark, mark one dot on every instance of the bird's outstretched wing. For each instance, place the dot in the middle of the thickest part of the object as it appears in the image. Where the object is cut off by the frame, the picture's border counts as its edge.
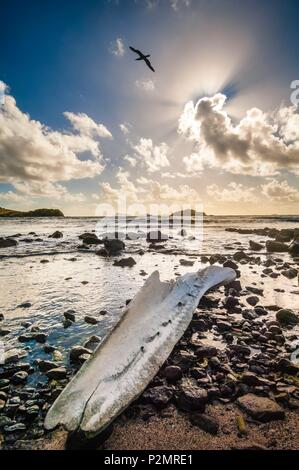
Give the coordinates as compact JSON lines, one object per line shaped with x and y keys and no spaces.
{"x":136,"y":51}
{"x":149,"y":64}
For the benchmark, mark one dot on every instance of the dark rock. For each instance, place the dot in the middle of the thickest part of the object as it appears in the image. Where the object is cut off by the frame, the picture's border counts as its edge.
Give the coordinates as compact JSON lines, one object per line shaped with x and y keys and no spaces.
{"x":230,"y":302}
{"x":159,"y":396}
{"x":57,"y":374}
{"x":56,"y":234}
{"x":240,"y":255}
{"x":205,"y":423}
{"x":19,"y":377}
{"x":186,"y":262}
{"x":92,"y":343}
{"x":70,"y":315}
{"x":240,"y":349}
{"x":91,"y":320}
{"x":255,"y":246}
{"x":290,"y":273}
{"x":294,"y":248}
{"x":224,"y":326}
{"x":276,"y":247}
{"x":173,"y":373}
{"x":24,"y":305}
{"x":230,"y":264}
{"x":252,"y":300}
{"x":40,"y":337}
{"x":102,"y":252}
{"x":286,"y":366}
{"x":184,"y":359}
{"x":206,"y":351}
{"x":77,"y":351}
{"x":287,"y":317}
{"x":156,"y":236}
{"x":45,"y":366}
{"x":191,"y":397}
{"x":114,"y":246}
{"x":7,"y":242}
{"x":18,"y":427}
{"x":125,"y":262}
{"x":260,"y":408}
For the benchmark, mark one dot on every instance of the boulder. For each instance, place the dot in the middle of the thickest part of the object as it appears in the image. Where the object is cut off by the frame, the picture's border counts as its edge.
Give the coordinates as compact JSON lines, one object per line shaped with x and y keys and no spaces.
{"x":57,"y":374}
{"x":56,"y":234}
{"x":7,"y":242}
{"x":287,"y":317}
{"x":191,"y":397}
{"x":173,"y":373}
{"x":114,"y":246}
{"x":156,"y":236}
{"x":294,"y":248}
{"x":255,"y":246}
{"x":276,"y":247}
{"x":260,"y":408}
{"x":88,"y":235}
{"x":19,"y":377}
{"x":70,"y":315}
{"x":77,"y":351}
{"x":91,"y":320}
{"x":290,"y":273}
{"x":158,"y":396}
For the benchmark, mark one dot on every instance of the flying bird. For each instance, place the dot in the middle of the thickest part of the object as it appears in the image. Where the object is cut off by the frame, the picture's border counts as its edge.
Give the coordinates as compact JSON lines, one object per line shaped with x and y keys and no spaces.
{"x":143,"y":57}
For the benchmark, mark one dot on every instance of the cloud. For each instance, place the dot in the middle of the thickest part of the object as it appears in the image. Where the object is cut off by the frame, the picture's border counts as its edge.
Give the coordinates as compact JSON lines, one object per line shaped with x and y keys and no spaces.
{"x":131,"y":160}
{"x":280,"y":191}
{"x":146,"y":85}
{"x":147,"y":191}
{"x":233,"y":192}
{"x":153,"y":157}
{"x":177,"y":4}
{"x":34,"y":154}
{"x":193,"y":163}
{"x":87,"y":126}
{"x":260,"y":144}
{"x":117,"y":47}
{"x":3,"y":90}
{"x":124,"y":128}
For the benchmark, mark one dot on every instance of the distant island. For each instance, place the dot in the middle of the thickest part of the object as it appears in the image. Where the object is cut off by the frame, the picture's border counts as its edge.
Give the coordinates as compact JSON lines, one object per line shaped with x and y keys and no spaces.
{"x":36,"y":213}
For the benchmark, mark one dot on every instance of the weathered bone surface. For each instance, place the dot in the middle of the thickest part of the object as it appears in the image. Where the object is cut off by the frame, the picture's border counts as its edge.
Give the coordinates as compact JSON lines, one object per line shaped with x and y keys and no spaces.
{"x":131,"y":355}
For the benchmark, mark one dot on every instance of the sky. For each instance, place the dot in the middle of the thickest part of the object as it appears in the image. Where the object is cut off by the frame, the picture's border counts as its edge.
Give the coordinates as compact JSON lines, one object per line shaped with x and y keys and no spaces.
{"x":82,"y":124}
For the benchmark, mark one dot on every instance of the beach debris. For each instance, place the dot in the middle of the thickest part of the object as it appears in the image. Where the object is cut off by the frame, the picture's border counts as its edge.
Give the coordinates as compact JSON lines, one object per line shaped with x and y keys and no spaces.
{"x":135,"y":350}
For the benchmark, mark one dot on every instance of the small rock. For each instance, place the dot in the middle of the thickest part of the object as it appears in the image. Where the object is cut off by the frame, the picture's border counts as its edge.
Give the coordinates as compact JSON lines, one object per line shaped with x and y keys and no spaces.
{"x":70,"y":315}
{"x":125,"y":262}
{"x":276,"y":247}
{"x":159,"y":396}
{"x":19,"y":378}
{"x":91,"y":320}
{"x":56,"y":234}
{"x":7,"y":242}
{"x":57,"y":374}
{"x":191,"y":396}
{"x":260,"y":408}
{"x":204,"y":422}
{"x":173,"y":373}
{"x":252,"y":300}
{"x":77,"y":351}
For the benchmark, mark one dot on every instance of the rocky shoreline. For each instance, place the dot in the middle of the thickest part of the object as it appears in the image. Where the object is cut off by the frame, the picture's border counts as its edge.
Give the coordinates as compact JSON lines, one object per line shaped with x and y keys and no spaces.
{"x":235,"y":369}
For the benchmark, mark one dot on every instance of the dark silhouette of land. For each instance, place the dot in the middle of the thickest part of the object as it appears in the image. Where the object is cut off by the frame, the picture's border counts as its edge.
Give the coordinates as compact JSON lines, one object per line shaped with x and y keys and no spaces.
{"x":143,"y":57}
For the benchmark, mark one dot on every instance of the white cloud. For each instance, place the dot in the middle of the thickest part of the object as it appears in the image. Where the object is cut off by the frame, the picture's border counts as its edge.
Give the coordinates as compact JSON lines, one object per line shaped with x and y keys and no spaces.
{"x":233,"y":192}
{"x":34,"y":155}
{"x":154,"y":157}
{"x":260,"y":144}
{"x":146,"y":85}
{"x":131,"y":160}
{"x":3,"y":90}
{"x":177,"y":4}
{"x":87,"y":126}
{"x":280,"y":191}
{"x":193,"y":163}
{"x":124,"y":128}
{"x":117,"y":47}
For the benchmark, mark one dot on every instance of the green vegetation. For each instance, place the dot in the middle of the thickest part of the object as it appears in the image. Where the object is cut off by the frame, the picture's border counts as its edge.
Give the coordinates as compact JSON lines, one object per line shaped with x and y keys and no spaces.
{"x":35,"y":213}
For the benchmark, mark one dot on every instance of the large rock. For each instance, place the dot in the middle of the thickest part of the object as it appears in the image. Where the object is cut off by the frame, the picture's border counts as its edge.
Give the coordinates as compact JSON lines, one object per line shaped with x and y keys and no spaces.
{"x":287,"y":317}
{"x":87,"y":235}
{"x":191,"y":396}
{"x":77,"y":351}
{"x":260,"y":408}
{"x":276,"y":247}
{"x":56,"y":234}
{"x":114,"y":246}
{"x":255,"y":246}
{"x":158,"y":396}
{"x":57,"y":374}
{"x":156,"y":236}
{"x":7,"y":242}
{"x":294,"y":248}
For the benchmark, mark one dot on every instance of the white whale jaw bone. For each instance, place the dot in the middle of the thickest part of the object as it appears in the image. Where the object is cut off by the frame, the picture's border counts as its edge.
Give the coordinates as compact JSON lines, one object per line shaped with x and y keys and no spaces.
{"x":131,"y":355}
